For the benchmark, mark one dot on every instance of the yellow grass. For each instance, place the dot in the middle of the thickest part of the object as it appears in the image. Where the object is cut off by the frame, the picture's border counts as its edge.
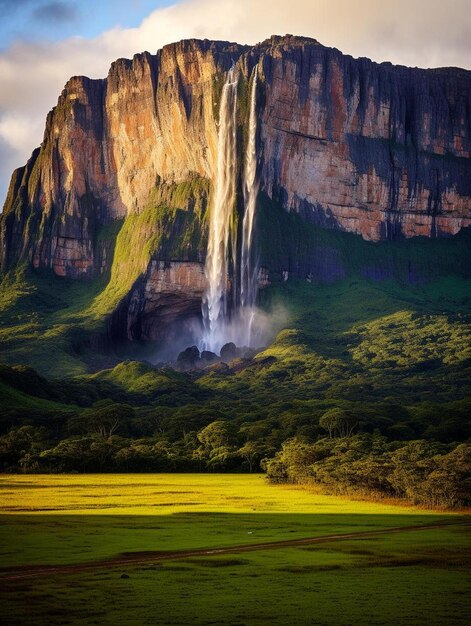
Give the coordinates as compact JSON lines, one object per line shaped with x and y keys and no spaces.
{"x":165,"y":494}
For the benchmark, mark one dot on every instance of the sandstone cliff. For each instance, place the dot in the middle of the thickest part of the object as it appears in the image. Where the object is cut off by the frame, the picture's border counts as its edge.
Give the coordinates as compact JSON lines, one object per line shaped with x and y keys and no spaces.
{"x":372,"y":149}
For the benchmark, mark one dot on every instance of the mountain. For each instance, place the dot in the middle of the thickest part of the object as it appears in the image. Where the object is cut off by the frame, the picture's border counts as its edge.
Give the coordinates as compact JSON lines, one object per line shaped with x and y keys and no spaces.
{"x":354,"y":159}
{"x":168,"y":200}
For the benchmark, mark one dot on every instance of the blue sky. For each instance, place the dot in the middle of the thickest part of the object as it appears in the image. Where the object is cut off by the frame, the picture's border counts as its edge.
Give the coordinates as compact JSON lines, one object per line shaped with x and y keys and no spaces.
{"x":53,"y":20}
{"x":44,"y":42}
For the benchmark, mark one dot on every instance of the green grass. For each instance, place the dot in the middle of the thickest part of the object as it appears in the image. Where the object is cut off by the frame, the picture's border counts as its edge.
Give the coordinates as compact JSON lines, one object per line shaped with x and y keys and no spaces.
{"x":11,"y":397}
{"x":324,"y":588}
{"x":357,"y":341}
{"x":140,"y":378}
{"x":413,"y":577}
{"x":43,"y":321}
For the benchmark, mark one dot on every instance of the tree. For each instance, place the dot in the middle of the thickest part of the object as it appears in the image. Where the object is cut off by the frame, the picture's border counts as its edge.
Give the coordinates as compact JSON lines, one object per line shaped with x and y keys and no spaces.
{"x":251,"y":452}
{"x":328,"y":421}
{"x":449,"y":481}
{"x":216,"y":444}
{"x":104,"y":419}
{"x":276,"y":470}
{"x":215,"y":435}
{"x":412,"y":463}
{"x":21,"y":443}
{"x":68,"y":455}
{"x":297,"y":456}
{"x":338,"y":421}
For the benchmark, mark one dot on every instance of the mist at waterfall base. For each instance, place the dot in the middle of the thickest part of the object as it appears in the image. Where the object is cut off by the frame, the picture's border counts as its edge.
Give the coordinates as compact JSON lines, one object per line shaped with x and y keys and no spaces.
{"x":248,"y":327}
{"x":251,"y":329}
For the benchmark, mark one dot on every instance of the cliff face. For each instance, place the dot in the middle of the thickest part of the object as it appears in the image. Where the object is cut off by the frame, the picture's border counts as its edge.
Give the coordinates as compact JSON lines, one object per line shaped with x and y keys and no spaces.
{"x":376,"y":150}
{"x":107,"y":145}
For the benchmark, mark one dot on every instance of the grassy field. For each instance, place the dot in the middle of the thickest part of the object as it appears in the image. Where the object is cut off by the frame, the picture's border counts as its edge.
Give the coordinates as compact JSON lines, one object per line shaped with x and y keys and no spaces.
{"x":413,"y":577}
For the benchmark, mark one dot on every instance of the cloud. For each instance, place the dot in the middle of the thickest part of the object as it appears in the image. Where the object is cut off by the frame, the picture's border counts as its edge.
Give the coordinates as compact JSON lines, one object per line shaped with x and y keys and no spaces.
{"x":425,"y":33}
{"x":56,"y":12}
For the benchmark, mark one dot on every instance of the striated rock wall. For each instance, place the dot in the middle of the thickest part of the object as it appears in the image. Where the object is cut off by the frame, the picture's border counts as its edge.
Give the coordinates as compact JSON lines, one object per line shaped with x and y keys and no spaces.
{"x":348,"y":144}
{"x":107,"y":145}
{"x":369,"y":148}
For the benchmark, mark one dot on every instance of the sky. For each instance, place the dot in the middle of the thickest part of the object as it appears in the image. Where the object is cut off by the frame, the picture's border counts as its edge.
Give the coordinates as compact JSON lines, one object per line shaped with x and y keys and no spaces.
{"x":44,"y":42}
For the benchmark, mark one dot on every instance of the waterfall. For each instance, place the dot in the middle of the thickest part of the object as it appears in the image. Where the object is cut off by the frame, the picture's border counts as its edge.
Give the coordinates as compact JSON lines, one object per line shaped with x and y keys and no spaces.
{"x":222,"y":242}
{"x":222,"y":215}
{"x":249,"y":265}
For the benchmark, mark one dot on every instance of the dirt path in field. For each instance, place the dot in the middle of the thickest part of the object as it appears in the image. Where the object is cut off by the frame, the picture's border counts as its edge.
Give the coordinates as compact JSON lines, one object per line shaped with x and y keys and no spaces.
{"x":154,"y":557}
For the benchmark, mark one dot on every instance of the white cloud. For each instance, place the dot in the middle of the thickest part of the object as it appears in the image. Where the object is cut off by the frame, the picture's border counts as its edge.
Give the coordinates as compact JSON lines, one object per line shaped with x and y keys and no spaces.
{"x":426,"y":33}
{"x":17,"y":131}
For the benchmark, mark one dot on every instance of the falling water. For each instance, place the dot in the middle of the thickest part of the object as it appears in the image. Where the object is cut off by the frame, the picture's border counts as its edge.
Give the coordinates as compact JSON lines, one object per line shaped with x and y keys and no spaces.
{"x":249,"y":266}
{"x":218,"y":327}
{"x":221,"y":219}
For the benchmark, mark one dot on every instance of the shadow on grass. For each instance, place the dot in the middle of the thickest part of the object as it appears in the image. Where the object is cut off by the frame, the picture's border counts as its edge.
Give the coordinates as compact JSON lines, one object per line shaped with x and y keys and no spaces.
{"x":40,"y":539}
{"x":382,"y":578}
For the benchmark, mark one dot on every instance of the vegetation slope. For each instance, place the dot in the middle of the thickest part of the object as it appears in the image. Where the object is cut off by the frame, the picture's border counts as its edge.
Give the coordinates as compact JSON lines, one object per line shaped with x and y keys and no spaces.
{"x":368,"y":360}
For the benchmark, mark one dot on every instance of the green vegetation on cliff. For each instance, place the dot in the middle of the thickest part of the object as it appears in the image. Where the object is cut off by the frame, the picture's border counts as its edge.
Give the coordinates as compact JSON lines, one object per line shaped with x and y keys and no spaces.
{"x":288,"y":242}
{"x":170,"y":227}
{"x":59,"y":325}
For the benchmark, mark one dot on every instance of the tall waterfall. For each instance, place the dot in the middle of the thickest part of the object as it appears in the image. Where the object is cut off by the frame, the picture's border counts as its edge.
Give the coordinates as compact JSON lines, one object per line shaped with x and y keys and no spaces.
{"x":221,"y":219}
{"x":219,"y":327}
{"x":249,"y":265}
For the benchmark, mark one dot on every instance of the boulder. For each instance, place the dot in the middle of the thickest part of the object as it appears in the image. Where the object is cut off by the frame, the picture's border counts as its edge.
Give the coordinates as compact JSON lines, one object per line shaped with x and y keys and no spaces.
{"x":228,"y":352}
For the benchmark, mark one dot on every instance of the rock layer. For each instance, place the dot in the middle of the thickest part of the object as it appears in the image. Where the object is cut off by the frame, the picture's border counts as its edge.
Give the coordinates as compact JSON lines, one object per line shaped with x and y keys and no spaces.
{"x":107,"y":145}
{"x":168,"y":294}
{"x":377,"y":150}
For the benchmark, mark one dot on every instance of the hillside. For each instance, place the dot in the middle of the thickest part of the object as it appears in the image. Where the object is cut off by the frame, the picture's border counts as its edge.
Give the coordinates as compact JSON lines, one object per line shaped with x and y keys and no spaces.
{"x":395,"y":360}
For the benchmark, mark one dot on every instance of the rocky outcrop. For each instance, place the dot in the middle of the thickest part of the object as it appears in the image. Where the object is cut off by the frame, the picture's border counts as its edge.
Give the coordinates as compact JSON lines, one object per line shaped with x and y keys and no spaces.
{"x":107,"y":146}
{"x":348,"y":144}
{"x":377,"y":150}
{"x":169,"y":294}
